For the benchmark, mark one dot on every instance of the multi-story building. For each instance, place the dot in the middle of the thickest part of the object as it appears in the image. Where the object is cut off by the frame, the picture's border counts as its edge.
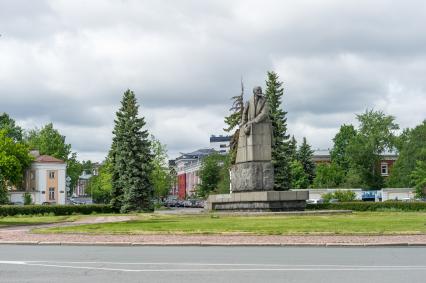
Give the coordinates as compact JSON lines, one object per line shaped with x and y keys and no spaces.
{"x":220,"y":143}
{"x":44,"y":181}
{"x":187,"y":166}
{"x":388,"y":159}
{"x":82,"y":183}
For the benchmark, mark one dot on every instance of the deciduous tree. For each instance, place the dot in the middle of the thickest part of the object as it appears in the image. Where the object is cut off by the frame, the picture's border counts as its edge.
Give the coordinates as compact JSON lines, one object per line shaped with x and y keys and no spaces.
{"x":375,"y":135}
{"x":341,"y":141}
{"x":328,"y":176}
{"x":299,"y":178}
{"x":160,"y":175}
{"x":9,"y":126}
{"x":412,"y":148}
{"x":212,"y":173}
{"x":99,"y":186}
{"x":419,"y":178}
{"x":14,"y":159}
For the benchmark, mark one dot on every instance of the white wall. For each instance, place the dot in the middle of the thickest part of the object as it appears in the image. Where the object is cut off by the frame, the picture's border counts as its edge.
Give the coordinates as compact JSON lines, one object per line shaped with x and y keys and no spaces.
{"x":387,"y":194}
{"x":41,"y":181}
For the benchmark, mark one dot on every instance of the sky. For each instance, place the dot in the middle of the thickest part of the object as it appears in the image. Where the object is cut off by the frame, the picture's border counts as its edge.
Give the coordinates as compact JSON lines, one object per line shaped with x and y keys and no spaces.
{"x":69,"y":62}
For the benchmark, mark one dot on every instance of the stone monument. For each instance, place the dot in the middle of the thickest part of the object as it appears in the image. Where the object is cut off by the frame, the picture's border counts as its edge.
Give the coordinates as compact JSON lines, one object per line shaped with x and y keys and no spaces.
{"x":252,"y":175}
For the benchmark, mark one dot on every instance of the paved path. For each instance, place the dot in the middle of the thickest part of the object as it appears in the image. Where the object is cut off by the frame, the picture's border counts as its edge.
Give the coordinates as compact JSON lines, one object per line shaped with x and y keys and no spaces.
{"x":211,"y":264}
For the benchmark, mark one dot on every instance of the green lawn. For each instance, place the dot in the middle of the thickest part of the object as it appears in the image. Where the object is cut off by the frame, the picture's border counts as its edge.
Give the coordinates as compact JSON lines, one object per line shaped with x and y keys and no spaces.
{"x":369,"y":223}
{"x":33,"y":220}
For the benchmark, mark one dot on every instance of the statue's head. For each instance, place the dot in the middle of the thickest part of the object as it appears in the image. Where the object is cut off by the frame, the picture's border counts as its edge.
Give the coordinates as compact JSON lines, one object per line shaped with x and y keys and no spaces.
{"x":257,"y":90}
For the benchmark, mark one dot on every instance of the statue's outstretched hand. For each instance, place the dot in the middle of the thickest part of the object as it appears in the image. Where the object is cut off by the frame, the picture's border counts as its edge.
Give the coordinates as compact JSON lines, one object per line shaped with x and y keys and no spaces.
{"x":247,"y":128}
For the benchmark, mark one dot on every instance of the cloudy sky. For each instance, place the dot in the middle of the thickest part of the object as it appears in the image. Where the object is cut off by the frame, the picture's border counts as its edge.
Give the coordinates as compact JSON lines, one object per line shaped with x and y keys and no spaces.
{"x":70,"y":61}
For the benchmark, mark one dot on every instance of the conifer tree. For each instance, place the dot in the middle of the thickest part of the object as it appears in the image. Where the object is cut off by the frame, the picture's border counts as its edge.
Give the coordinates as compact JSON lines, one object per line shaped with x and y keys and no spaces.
{"x":234,"y":120}
{"x":131,"y":159}
{"x":305,"y":156}
{"x":280,"y":140}
{"x":292,"y":148}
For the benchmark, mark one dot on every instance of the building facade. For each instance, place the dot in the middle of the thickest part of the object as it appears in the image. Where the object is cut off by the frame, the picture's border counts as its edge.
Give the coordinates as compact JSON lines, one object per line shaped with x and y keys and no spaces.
{"x":44,"y":181}
{"x":82,"y":183}
{"x":187,"y":168}
{"x":220,"y":143}
{"x":385,"y":166}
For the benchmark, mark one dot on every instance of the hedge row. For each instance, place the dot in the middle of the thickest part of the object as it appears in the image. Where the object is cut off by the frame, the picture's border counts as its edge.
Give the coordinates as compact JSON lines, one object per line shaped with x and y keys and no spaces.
{"x":370,"y":206}
{"x":10,"y":210}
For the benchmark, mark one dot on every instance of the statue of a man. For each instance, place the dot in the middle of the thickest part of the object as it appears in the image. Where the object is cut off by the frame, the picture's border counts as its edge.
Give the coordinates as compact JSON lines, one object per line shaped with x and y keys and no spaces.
{"x":254,"y":141}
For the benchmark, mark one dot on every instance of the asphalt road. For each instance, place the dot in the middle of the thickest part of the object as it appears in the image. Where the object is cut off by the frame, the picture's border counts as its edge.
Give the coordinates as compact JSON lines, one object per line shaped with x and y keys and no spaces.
{"x":211,"y":264}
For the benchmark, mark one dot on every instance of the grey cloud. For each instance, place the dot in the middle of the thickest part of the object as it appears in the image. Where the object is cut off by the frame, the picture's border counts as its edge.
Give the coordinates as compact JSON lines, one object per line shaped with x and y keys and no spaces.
{"x":70,"y":61}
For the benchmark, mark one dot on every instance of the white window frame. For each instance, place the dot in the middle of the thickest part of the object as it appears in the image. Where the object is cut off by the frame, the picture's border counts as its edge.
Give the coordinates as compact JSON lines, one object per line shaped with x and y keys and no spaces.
{"x":51,"y":193}
{"x":51,"y":174}
{"x":384,"y":167}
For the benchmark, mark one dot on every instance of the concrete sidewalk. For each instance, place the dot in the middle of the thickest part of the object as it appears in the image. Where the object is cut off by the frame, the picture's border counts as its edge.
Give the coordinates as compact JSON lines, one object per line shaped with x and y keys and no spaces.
{"x":22,"y":236}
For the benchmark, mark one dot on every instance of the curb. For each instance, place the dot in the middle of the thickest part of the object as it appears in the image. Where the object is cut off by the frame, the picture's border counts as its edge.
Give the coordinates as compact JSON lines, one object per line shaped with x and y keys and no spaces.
{"x":207,"y":244}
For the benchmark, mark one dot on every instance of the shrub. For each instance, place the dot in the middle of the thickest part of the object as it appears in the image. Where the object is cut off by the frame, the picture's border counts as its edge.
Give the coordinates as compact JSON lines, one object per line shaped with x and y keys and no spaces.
{"x":340,"y":195}
{"x":370,"y":206}
{"x":344,"y":196}
{"x":11,"y":210}
{"x":27,"y":199}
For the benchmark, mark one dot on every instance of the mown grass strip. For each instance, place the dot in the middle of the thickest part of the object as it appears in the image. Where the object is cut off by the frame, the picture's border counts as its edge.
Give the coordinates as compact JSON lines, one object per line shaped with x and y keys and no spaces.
{"x":358,"y":223}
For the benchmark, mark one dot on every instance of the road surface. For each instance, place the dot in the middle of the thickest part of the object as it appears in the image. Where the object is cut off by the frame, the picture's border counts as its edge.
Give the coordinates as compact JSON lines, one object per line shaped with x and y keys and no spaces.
{"x":211,"y":264}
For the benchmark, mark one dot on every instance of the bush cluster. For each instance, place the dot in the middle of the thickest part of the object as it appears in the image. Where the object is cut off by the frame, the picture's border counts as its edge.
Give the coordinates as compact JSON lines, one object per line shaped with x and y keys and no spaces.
{"x":10,"y":210}
{"x":340,"y":195}
{"x":370,"y":206}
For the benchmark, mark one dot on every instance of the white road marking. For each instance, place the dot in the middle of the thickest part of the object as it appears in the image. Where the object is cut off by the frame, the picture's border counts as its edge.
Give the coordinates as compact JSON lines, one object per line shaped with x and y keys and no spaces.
{"x":264,"y":268}
{"x":227,"y":264}
{"x":12,"y":262}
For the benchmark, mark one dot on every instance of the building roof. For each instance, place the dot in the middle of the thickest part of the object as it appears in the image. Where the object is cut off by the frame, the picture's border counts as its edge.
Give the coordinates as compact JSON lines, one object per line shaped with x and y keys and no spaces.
{"x":200,"y":153}
{"x":47,"y":159}
{"x":220,"y":138}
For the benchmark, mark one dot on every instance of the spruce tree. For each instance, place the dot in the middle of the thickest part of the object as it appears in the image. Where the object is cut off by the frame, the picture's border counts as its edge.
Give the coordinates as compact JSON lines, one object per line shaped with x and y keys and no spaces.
{"x":292,"y":148}
{"x":280,"y":140}
{"x":305,"y":156}
{"x":131,"y":159}
{"x":234,"y":120}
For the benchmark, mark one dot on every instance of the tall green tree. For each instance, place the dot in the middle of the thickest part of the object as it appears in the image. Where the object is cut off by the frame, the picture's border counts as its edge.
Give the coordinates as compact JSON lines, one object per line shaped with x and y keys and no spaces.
{"x":49,"y":141}
{"x":9,"y":126}
{"x":14,"y":159}
{"x":341,"y":141}
{"x":131,"y":159}
{"x":234,"y":120}
{"x":375,"y":135}
{"x":292,"y":148}
{"x":160,"y":174}
{"x":280,"y":142}
{"x":305,"y":155}
{"x":412,"y":148}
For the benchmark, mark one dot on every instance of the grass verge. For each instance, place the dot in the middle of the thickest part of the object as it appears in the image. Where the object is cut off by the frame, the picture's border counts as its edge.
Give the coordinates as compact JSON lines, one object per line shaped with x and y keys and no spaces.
{"x":358,"y":223}
{"x":23,"y":220}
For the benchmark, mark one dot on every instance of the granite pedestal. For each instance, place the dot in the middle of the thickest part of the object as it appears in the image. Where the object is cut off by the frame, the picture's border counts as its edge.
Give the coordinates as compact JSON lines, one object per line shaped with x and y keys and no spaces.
{"x":259,"y":201}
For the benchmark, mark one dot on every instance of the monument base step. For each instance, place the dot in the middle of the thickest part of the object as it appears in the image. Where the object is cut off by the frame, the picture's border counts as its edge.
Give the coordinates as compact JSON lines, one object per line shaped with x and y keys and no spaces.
{"x":259,"y":201}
